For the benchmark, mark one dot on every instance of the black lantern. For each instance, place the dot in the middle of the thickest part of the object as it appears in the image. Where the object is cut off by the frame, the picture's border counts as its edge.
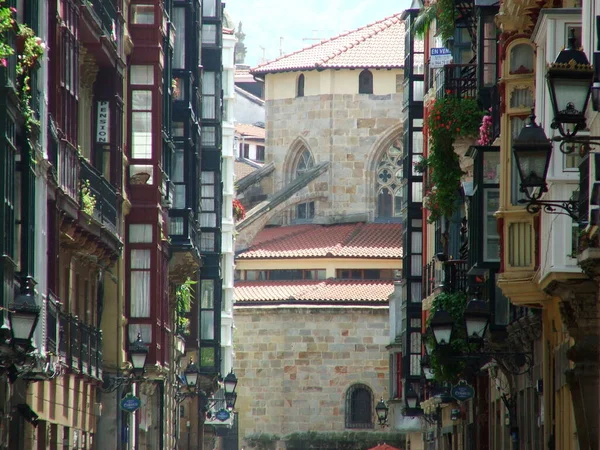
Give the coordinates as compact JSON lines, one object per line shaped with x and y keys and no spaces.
{"x":381,"y":409}
{"x":23,"y":316}
{"x":411,"y":397}
{"x":191,"y":375}
{"x":230,"y":400}
{"x":570,"y":79}
{"x":476,"y":319}
{"x":138,"y":352}
{"x":230,"y":382}
{"x":441,"y":324}
{"x":532,"y":150}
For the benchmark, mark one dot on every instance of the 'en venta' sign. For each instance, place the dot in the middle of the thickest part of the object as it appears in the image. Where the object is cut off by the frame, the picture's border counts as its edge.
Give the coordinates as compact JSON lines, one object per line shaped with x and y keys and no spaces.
{"x":103,"y":123}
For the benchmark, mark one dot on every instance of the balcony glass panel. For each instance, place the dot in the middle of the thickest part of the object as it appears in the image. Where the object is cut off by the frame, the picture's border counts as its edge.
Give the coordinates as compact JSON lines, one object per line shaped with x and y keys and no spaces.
{"x":140,"y":233}
{"x":179,"y":48}
{"x":140,"y":283}
{"x":142,"y":14}
{"x":209,"y":8}
{"x":176,"y":226}
{"x":142,"y":75}
{"x":209,"y":34}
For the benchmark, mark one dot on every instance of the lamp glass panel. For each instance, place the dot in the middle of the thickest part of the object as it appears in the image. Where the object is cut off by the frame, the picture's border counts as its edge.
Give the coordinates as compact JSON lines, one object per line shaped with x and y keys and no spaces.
{"x":138,"y":360}
{"x":191,"y":378}
{"x":442,"y":333}
{"x":428,"y":372}
{"x":532,"y":166}
{"x":411,"y":401}
{"x":22,"y":325}
{"x":476,"y":326}
{"x":570,"y":92}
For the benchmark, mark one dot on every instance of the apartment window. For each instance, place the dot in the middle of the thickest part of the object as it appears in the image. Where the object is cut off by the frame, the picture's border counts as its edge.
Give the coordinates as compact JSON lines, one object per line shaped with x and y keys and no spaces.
{"x":69,"y":71}
{"x":365,"y":274}
{"x":300,"y":86}
{"x":140,"y":283}
{"x":178,"y":178}
{"x":141,"y":75}
{"x":142,"y":14}
{"x":209,"y":34}
{"x":209,"y":136}
{"x":209,"y":8}
{"x":365,"y":82}
{"x":179,"y":47}
{"x":305,"y":162}
{"x":208,"y":216}
{"x":359,"y":407}
{"x":141,"y":124}
{"x":207,"y":309}
{"x":516,"y":125}
{"x":260,"y":153}
{"x":285,"y":275}
{"x":488,"y":77}
{"x":207,"y":241}
{"x":209,"y":98}
{"x":245,"y":150}
{"x":521,"y":59}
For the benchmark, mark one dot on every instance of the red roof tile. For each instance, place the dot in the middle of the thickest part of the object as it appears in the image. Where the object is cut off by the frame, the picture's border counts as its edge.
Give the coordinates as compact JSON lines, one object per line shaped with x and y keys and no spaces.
{"x":242,"y":169}
{"x":384,"y":447}
{"x":250,"y":131}
{"x":310,"y":291}
{"x":377,"y":45}
{"x":357,"y":240}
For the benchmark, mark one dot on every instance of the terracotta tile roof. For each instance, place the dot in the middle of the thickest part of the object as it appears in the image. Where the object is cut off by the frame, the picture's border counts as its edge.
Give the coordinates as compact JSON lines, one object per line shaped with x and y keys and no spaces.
{"x":309,"y":291}
{"x":242,"y":169}
{"x":384,"y":447}
{"x":357,"y":240}
{"x":250,"y":131}
{"x":377,"y":45}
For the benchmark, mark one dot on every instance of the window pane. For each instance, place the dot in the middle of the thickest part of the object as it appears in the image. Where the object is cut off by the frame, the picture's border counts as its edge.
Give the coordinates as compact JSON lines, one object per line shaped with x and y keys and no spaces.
{"x":141,"y":134}
{"x":207,"y":325}
{"x":179,"y":47}
{"x":141,"y":100}
{"x":207,"y":294}
{"x":140,"y":259}
{"x":209,"y":8}
{"x":209,"y":34}
{"x":209,"y":136}
{"x":142,"y":14}
{"x":207,"y":241}
{"x":142,"y":75}
{"x":140,"y":233}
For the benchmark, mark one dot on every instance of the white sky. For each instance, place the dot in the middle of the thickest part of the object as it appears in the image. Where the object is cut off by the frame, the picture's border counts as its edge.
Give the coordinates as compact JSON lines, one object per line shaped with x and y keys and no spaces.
{"x":265,"y":22}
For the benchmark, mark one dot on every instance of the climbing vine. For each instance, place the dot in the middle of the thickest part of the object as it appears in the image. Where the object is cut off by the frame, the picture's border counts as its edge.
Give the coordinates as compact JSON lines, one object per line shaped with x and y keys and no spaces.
{"x":449,"y":118}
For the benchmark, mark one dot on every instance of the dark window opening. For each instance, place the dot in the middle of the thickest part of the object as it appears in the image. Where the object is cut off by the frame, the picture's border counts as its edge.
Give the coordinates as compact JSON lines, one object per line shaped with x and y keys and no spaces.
{"x":260,"y":153}
{"x":359,"y":405}
{"x":300,"y":87}
{"x":365,"y":82}
{"x":305,"y":211}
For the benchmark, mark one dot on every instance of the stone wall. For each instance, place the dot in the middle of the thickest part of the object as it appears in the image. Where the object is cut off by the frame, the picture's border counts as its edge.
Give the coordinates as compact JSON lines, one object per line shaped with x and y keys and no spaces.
{"x":346,"y":130}
{"x":295,"y":365}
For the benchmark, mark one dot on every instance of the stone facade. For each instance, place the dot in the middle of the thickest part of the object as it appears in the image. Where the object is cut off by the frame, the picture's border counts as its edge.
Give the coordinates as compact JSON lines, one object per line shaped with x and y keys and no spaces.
{"x":350,"y":131}
{"x":296,"y":365}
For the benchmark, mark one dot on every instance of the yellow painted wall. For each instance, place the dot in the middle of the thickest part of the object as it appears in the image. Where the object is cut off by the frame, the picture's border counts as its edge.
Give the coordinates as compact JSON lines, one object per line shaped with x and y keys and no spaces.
{"x":283,"y":85}
{"x":329,"y":264}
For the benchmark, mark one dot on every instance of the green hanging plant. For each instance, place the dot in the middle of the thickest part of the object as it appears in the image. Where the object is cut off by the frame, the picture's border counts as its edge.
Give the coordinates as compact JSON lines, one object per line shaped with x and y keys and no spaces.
{"x":449,"y":118}
{"x":88,"y":200}
{"x":443,"y":12}
{"x":184,"y":295}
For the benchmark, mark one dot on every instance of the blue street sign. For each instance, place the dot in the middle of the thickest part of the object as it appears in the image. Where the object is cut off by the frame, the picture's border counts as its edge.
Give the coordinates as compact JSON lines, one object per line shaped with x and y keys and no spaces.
{"x":222,"y":415}
{"x":130,"y":403}
{"x":463,"y":391}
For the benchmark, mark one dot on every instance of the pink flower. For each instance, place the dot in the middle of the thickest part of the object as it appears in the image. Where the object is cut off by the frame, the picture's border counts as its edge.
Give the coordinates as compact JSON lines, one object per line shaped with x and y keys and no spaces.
{"x":38,"y":40}
{"x":3,"y":62}
{"x":13,"y":9}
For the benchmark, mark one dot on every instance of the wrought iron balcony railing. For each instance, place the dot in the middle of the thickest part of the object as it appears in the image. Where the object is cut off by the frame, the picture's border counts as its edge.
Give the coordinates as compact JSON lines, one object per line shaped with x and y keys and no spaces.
{"x":458,"y":80}
{"x":105,"y":210}
{"x":447,"y":276}
{"x":80,"y":345}
{"x":105,"y":14}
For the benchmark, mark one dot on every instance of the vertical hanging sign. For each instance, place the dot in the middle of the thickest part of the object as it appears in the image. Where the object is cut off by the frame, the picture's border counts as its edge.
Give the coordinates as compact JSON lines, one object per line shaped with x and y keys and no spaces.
{"x":102,"y":123}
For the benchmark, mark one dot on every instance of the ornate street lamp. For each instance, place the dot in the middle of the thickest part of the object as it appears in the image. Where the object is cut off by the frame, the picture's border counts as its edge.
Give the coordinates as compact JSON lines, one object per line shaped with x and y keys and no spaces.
{"x":570,"y":79}
{"x":381,"y":409}
{"x":441,"y":324}
{"x":230,"y":400}
{"x":532,"y":151}
{"x":191,"y":375}
{"x":477,"y":315}
{"x":411,"y":397}
{"x":23,"y":316}
{"x":138,"y":352}
{"x":230,"y":382}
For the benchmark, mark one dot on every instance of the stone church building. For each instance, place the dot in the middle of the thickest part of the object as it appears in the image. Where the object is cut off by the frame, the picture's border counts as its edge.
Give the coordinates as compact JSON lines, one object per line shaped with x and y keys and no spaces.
{"x":317,"y":259}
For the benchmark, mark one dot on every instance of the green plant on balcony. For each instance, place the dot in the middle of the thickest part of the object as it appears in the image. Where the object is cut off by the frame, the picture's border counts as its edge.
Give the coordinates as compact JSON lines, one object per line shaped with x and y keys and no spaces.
{"x":443,"y":12}
{"x":184,"y":295}
{"x":88,"y":200}
{"x":449,"y":118}
{"x":445,"y":361}
{"x":7,"y":23}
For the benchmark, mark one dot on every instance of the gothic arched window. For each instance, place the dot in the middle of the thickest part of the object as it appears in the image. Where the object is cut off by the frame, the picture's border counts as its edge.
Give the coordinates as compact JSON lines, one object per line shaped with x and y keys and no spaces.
{"x":359,"y":407}
{"x":365,"y":82}
{"x":388,"y":182}
{"x":305,"y":162}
